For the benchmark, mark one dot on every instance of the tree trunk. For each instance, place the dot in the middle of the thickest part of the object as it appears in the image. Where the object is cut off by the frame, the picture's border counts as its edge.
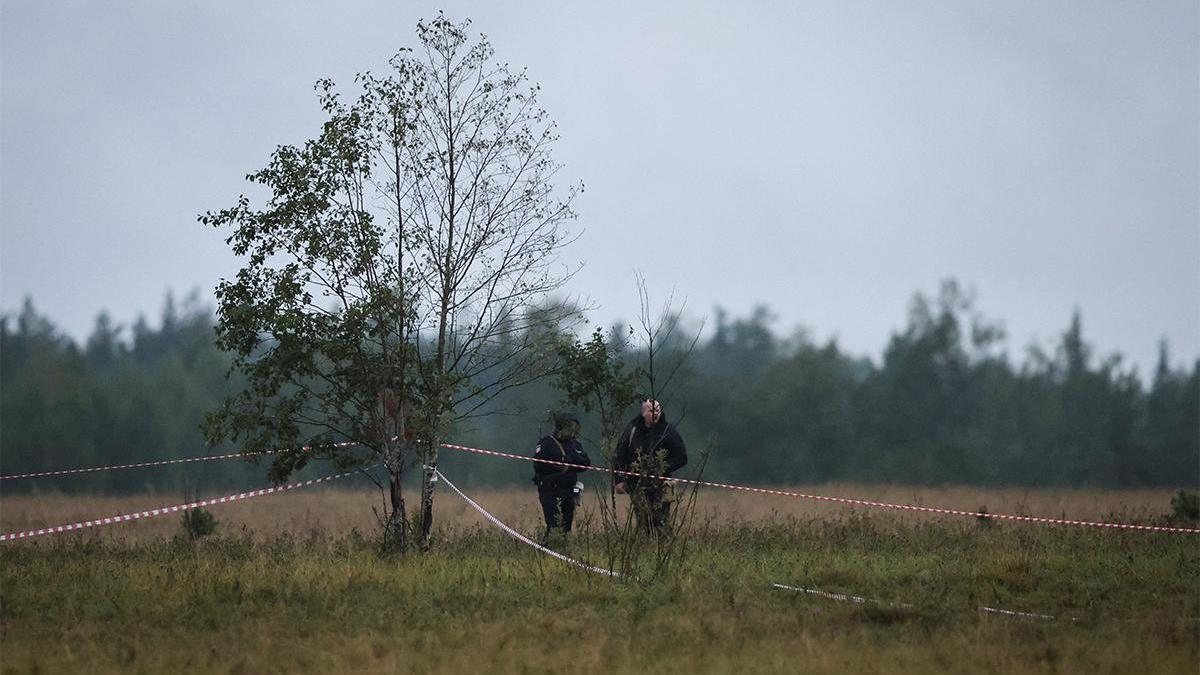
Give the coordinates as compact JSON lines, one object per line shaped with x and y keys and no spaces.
{"x":429,"y":478}
{"x":392,"y":426}
{"x":396,"y":536}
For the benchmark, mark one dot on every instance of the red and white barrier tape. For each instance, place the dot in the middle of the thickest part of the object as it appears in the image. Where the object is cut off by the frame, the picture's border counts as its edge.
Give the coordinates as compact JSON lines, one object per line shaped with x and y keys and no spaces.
{"x":861,"y":600}
{"x":162,"y":511}
{"x":115,"y":467}
{"x":520,"y":537}
{"x":161,"y":462}
{"x":843,"y":500}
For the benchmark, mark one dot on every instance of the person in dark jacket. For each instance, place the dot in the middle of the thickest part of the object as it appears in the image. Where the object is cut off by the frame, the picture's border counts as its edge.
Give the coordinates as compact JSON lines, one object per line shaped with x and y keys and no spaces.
{"x":556,"y":484}
{"x":649,"y":445}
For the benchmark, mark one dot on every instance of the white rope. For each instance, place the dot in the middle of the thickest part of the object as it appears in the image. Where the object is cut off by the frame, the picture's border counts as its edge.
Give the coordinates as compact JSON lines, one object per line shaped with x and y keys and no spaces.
{"x":1009,"y":612}
{"x":861,"y":600}
{"x":517,"y":535}
{"x":841,"y":597}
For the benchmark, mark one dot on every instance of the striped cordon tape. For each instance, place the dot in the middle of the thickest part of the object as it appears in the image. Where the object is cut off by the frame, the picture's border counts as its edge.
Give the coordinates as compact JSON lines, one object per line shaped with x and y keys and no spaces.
{"x":162,"y":511}
{"x":842,"y":500}
{"x":727,"y":486}
{"x":115,"y":467}
{"x":161,"y":462}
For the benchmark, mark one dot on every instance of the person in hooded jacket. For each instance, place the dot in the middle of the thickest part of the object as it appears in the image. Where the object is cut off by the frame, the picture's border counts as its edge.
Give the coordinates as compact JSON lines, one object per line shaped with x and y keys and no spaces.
{"x":649,"y":445}
{"x":556,"y":484}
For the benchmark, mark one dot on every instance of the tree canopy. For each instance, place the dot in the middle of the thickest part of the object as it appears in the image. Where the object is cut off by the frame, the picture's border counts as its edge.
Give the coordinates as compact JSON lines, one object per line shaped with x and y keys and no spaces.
{"x":396,"y":279}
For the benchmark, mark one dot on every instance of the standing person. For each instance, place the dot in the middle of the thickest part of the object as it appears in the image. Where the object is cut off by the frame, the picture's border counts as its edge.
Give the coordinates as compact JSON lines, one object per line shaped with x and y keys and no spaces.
{"x":556,"y":484}
{"x":653,"y":446}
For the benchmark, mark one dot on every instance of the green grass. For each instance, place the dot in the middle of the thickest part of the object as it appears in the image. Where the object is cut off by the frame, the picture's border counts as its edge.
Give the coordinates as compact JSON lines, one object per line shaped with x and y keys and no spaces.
{"x":482,"y":602}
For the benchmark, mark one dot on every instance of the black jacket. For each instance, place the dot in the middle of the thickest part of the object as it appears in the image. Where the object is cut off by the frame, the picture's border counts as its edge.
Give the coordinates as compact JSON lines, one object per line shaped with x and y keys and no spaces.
{"x":639,"y":445}
{"x":554,"y":477}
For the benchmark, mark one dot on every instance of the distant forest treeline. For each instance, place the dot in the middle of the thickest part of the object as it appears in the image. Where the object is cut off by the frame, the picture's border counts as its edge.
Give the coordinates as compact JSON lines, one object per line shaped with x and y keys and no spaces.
{"x":945,"y":405}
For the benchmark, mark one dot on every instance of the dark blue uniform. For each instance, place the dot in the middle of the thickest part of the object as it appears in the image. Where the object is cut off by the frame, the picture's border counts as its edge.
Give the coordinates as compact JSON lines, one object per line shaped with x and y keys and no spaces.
{"x":556,"y":484}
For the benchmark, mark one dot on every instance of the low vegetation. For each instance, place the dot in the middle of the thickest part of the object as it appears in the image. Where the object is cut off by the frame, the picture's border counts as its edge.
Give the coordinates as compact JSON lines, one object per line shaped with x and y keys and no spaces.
{"x":298,"y":591}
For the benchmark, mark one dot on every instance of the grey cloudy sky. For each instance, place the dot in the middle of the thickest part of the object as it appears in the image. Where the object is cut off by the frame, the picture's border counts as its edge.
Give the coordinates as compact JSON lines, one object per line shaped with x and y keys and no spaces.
{"x":827,"y":159}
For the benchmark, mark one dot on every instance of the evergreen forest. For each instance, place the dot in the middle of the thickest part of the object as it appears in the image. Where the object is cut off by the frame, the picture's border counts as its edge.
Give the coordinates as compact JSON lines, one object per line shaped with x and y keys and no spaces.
{"x":945,"y":404}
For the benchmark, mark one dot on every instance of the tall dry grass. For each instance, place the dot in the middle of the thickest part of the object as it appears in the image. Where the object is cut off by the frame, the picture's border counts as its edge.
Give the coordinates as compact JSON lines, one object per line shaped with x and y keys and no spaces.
{"x":285,"y":587}
{"x":297,"y":601}
{"x":334,"y":510}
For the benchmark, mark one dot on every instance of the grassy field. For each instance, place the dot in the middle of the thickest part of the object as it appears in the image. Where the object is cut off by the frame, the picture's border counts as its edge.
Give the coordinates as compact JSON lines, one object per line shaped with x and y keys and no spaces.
{"x":294,"y":583}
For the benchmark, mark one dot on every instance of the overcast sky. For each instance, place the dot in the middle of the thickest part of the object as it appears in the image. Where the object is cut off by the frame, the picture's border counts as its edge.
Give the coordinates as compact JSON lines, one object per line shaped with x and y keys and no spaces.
{"x":827,"y":159}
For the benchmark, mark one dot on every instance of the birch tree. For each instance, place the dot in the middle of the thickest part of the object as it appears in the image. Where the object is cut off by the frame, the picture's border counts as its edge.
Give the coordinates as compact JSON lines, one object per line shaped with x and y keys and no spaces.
{"x":397,"y":278}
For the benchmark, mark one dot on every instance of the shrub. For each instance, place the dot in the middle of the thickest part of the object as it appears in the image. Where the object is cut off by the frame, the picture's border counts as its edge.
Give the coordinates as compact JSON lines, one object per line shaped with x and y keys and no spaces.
{"x":984,"y":517}
{"x":1186,"y":505}
{"x":198,"y":522}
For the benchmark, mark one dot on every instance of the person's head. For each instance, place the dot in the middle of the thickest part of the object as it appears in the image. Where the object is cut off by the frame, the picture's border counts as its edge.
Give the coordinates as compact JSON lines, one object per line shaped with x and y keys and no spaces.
{"x":566,"y":426}
{"x":651,"y":412}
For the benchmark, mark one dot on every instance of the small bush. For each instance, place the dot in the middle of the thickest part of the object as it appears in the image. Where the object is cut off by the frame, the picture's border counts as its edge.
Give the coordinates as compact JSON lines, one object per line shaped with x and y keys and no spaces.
{"x":984,"y":517}
{"x":1186,"y":505}
{"x":198,"y":522}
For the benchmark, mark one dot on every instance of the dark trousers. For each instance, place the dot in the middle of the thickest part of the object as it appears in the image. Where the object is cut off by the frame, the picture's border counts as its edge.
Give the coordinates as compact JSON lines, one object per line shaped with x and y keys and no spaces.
{"x":651,"y":506}
{"x":558,"y":507}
